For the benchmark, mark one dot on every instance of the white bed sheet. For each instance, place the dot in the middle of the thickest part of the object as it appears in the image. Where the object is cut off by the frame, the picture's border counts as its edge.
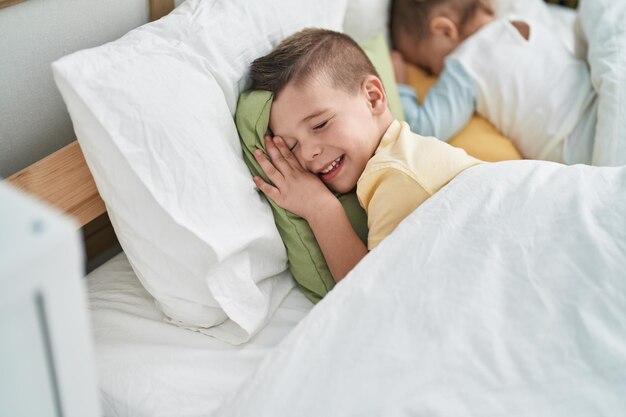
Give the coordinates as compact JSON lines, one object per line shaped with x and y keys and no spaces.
{"x":147,"y":367}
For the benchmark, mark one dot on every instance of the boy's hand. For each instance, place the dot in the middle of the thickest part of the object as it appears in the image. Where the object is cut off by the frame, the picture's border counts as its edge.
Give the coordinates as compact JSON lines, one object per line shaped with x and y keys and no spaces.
{"x":399,"y":67}
{"x":294,"y":188}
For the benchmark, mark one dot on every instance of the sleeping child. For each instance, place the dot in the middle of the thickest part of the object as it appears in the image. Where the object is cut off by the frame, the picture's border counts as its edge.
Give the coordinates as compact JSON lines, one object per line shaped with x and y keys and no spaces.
{"x":332,"y":130}
{"x":515,"y":73}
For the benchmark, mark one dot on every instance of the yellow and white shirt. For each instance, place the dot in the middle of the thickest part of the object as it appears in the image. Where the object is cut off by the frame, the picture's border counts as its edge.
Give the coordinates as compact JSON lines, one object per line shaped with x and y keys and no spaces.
{"x":405,"y":170}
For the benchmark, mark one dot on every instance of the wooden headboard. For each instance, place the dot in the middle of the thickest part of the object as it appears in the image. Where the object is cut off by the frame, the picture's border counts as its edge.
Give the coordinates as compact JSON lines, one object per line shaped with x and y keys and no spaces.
{"x":63,"y":180}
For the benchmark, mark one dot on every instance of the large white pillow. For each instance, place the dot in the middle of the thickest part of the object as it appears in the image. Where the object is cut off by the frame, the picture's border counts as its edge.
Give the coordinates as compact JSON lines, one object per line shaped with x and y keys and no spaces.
{"x":602,"y":23}
{"x":365,"y":19}
{"x":153,"y":113}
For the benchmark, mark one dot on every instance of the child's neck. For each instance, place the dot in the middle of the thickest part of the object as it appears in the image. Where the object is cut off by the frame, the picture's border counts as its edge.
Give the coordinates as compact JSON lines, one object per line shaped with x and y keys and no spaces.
{"x":480,"y":19}
{"x":385,"y":121}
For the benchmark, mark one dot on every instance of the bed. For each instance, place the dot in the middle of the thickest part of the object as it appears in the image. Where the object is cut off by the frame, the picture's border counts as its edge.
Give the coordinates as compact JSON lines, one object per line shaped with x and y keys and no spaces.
{"x":147,"y":367}
{"x":538,"y":330}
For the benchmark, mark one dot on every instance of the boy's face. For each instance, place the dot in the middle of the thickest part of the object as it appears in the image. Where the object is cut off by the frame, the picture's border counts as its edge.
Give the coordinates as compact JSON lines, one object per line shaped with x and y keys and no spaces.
{"x":331,"y":132}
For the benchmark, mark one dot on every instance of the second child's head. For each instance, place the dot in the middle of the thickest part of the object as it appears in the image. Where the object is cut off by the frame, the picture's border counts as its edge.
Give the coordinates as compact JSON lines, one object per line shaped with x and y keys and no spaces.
{"x":426,"y":31}
{"x":329,"y":104}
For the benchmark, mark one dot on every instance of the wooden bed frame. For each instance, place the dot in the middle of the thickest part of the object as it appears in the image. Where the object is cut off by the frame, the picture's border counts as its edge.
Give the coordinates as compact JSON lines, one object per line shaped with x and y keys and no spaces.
{"x":63,"y":180}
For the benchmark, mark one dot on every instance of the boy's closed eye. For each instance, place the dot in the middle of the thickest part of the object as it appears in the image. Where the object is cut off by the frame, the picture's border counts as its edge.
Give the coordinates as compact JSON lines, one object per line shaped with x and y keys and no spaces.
{"x":292,"y":144}
{"x":320,"y":125}
{"x":328,"y":118}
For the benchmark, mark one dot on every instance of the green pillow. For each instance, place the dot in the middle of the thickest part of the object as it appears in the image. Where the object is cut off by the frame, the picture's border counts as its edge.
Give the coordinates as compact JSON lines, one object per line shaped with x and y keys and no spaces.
{"x":306,"y":261}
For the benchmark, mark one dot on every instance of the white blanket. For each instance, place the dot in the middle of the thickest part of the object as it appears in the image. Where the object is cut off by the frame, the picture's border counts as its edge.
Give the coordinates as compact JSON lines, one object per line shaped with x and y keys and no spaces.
{"x":503,"y":295}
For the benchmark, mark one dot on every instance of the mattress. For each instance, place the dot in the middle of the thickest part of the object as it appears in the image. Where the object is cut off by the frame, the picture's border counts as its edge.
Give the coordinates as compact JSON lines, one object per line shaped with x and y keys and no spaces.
{"x":147,"y":367}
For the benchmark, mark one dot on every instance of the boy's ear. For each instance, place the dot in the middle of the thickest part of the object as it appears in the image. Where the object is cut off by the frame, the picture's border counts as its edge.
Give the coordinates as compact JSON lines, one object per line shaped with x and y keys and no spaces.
{"x":375,"y":92}
{"x":442,"y":25}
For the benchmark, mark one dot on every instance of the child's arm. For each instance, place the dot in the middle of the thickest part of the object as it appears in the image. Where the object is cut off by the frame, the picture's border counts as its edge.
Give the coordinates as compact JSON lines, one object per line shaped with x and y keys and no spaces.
{"x":304,"y":194}
{"x":448,"y":106}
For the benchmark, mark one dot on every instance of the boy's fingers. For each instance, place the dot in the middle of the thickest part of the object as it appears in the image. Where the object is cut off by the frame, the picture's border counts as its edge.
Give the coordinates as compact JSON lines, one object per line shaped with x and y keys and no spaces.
{"x":268,"y":167}
{"x":276,"y":155}
{"x":268,"y":190}
{"x":286,"y":152}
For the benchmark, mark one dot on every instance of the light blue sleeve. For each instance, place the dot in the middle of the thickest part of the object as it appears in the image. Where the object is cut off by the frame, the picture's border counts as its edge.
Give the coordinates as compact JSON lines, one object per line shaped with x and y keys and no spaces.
{"x":448,"y":107}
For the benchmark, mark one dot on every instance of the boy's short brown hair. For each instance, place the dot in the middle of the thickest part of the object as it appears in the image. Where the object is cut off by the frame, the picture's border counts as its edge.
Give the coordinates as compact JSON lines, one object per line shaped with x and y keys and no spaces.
{"x":412,"y":16}
{"x":309,"y":54}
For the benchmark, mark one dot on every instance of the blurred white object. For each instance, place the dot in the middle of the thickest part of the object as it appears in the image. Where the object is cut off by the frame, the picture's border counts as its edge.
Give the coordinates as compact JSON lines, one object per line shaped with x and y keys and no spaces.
{"x":46,"y":353}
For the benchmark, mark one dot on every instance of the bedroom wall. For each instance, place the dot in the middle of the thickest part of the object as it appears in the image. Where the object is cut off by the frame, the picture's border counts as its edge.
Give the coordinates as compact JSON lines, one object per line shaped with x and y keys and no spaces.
{"x":33,"y":119}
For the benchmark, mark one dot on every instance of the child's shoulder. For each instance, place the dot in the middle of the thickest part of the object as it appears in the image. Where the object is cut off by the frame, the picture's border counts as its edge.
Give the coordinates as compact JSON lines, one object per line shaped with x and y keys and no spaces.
{"x":406,"y":150}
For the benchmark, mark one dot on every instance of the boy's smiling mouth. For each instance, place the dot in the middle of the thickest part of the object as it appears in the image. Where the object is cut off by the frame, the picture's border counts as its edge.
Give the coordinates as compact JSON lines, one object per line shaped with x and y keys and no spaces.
{"x":331,"y":170}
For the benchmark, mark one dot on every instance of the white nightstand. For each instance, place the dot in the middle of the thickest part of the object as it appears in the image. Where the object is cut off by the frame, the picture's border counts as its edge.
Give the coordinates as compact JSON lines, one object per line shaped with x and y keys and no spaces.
{"x":46,"y":352}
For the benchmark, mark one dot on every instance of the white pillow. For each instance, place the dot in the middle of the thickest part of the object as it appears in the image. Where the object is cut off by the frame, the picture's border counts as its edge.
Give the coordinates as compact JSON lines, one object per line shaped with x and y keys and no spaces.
{"x":366,"y":18}
{"x":153,"y":113}
{"x":602,"y":23}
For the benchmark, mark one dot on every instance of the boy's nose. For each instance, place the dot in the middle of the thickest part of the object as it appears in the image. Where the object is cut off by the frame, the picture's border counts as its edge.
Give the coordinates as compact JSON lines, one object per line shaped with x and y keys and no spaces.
{"x":310,"y":151}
